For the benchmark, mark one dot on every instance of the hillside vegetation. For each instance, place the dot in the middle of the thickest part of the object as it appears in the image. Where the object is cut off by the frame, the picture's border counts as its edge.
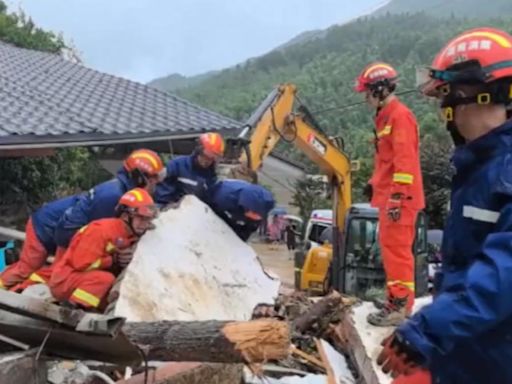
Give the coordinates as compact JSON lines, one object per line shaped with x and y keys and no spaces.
{"x":324,"y":71}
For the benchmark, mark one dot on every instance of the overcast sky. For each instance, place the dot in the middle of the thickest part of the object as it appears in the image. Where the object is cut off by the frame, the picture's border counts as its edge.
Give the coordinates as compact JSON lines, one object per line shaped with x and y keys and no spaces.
{"x":145,"y":39}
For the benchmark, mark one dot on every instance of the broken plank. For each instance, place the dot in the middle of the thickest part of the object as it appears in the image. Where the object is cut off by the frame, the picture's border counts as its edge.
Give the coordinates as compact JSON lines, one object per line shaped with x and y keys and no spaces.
{"x":318,"y":311}
{"x":213,"y":341}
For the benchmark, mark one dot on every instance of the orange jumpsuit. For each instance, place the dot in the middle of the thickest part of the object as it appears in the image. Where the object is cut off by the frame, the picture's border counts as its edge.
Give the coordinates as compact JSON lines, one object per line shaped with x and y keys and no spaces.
{"x":33,"y":254}
{"x":397,"y":170}
{"x":419,"y":377}
{"x":83,"y":275}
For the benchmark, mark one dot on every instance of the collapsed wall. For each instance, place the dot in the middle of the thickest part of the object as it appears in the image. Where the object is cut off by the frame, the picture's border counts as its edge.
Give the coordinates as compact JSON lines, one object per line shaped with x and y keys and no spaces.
{"x":193,"y":267}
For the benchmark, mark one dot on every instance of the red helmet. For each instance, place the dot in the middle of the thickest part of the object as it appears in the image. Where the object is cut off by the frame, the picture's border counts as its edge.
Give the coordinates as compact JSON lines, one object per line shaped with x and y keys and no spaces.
{"x":143,"y":163}
{"x":375,"y":75}
{"x":212,"y":144}
{"x":137,"y":202}
{"x":477,"y":56}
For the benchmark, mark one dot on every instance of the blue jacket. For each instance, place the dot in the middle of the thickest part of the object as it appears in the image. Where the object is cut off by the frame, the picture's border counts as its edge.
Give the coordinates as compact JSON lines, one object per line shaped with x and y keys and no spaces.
{"x":98,"y":203}
{"x":45,"y":220}
{"x":230,"y":199}
{"x":465,"y":335}
{"x":184,"y":177}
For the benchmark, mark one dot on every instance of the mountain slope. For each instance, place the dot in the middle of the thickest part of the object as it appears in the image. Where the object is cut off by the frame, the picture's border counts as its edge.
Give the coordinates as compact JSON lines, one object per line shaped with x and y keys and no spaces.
{"x":449,"y":8}
{"x":324,"y":70}
{"x":176,"y":81}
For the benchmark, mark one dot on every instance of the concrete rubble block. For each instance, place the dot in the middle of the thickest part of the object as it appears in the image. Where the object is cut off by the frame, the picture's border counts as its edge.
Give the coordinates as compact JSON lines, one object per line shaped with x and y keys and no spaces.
{"x":193,"y":267}
{"x":22,"y":367}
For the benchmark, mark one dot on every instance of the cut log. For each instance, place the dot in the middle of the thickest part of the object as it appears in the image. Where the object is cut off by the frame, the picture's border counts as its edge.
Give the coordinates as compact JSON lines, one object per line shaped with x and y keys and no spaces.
{"x":213,"y":341}
{"x":318,"y":311}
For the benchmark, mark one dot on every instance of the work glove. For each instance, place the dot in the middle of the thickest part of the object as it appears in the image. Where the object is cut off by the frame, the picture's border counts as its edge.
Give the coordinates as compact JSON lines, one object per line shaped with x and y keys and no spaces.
{"x":368,"y":191}
{"x":123,"y":256}
{"x":394,"y":206}
{"x":398,"y":356}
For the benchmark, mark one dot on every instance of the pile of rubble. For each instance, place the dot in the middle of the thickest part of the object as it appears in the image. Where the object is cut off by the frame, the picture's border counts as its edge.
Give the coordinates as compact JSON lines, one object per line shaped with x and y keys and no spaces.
{"x":194,"y":306}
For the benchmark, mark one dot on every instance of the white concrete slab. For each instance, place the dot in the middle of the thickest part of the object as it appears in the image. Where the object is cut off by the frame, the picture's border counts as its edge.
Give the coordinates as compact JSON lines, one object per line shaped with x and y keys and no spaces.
{"x":338,"y":364}
{"x":193,"y":267}
{"x":373,"y":336}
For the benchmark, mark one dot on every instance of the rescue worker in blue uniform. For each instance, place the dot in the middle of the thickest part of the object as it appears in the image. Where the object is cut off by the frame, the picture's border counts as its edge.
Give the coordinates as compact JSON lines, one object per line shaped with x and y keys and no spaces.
{"x":142,"y":168}
{"x":193,"y":174}
{"x":465,"y":335}
{"x":39,"y":242}
{"x":241,"y":205}
{"x":51,"y":228}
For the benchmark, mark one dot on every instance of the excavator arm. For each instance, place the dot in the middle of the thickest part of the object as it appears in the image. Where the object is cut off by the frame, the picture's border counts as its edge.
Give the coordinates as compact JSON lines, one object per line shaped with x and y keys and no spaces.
{"x":275,"y":120}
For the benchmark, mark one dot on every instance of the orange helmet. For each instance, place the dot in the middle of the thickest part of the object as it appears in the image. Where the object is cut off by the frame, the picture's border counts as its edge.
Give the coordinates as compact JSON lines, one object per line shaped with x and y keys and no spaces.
{"x":144,"y":163}
{"x":375,"y":76}
{"x":477,"y":56}
{"x":137,"y":202}
{"x":211,"y":144}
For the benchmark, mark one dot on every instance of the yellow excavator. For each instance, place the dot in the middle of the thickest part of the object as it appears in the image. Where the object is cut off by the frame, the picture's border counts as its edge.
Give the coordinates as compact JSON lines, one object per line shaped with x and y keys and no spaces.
{"x":348,"y":259}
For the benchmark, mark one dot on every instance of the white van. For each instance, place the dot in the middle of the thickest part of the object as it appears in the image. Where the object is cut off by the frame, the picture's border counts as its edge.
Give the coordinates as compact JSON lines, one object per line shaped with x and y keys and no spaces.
{"x":319,"y":220}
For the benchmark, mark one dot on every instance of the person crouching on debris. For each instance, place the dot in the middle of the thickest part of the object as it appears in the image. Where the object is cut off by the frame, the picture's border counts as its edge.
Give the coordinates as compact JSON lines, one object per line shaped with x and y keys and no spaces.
{"x":465,"y":335}
{"x":83,"y":276}
{"x":241,"y":205}
{"x":39,"y":243}
{"x":57,"y":223}
{"x":193,"y":174}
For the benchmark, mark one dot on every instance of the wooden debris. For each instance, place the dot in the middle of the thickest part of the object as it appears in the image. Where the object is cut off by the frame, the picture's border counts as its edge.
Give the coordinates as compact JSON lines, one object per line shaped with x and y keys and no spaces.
{"x":212,"y":341}
{"x":312,"y":359}
{"x":331,"y":378}
{"x":322,"y":311}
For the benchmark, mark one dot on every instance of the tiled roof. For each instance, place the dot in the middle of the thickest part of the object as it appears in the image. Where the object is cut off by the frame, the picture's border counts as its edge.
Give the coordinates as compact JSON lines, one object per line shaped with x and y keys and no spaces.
{"x":45,"y":99}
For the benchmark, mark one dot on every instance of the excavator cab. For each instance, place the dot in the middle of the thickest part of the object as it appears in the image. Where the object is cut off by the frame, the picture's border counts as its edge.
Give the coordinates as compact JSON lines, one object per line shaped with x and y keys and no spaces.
{"x":361,"y":271}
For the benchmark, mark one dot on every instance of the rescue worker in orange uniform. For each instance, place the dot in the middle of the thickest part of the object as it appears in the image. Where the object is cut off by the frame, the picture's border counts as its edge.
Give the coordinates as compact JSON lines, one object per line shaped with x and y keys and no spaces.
{"x":56,"y":223}
{"x":396,"y":188}
{"x":83,"y":276}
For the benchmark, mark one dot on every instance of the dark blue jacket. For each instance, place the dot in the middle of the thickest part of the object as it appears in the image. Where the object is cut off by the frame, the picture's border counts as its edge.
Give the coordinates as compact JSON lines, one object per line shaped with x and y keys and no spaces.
{"x":45,"y":220}
{"x":466,"y":334}
{"x":98,"y":203}
{"x":230,"y":199}
{"x":184,"y":177}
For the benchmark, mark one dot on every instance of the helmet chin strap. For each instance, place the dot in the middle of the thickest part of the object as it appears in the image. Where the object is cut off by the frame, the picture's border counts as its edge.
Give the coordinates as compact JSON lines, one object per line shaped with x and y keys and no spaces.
{"x":457,"y":138}
{"x":130,"y":224}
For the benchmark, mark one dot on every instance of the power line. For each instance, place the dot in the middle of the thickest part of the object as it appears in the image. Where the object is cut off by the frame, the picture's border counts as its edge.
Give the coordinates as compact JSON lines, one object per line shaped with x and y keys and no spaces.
{"x":346,"y":106}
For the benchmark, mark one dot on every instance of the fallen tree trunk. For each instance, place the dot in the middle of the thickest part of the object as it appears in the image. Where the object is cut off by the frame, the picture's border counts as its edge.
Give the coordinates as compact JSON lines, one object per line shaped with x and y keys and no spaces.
{"x":213,"y":341}
{"x":318,"y":311}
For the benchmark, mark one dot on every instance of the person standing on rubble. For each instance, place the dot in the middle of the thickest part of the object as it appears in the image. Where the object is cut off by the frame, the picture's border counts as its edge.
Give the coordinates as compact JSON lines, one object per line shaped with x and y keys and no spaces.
{"x":242,"y":205}
{"x":56,"y":223}
{"x":84,"y":275}
{"x":192,"y":174}
{"x":395,"y":188}
{"x":465,"y":335}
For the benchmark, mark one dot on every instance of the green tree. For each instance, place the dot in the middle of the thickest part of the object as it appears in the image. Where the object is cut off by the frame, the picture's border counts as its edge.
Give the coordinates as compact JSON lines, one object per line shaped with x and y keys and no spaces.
{"x":309,"y":196}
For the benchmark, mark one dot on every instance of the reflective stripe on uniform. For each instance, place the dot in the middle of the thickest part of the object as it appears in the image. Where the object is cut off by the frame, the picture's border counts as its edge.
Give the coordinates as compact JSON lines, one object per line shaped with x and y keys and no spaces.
{"x":38,"y":279}
{"x":94,"y":265}
{"x":385,"y":131}
{"x":110,"y":247}
{"x":187,"y":181}
{"x":86,"y":297}
{"x":408,"y":284}
{"x":480,"y":214}
{"x":404,"y":178}
{"x":81,"y":230}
